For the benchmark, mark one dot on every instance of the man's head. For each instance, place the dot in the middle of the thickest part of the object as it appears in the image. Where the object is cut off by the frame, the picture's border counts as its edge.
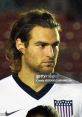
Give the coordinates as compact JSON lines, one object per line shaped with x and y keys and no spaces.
{"x":42,"y":111}
{"x":34,"y":42}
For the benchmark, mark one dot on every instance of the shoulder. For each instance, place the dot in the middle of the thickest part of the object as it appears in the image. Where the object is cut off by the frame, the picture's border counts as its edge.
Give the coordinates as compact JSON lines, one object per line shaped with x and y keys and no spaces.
{"x":7,"y":83}
{"x":64,"y":79}
{"x":6,"y":80}
{"x":67,"y":85}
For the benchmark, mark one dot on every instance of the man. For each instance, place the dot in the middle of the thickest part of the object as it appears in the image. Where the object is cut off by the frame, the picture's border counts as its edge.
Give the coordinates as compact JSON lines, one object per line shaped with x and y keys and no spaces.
{"x":42,"y":111}
{"x":33,"y":50}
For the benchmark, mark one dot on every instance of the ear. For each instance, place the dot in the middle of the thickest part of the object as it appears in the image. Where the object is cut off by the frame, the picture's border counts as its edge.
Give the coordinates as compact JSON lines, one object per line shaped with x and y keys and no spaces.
{"x":20,"y":45}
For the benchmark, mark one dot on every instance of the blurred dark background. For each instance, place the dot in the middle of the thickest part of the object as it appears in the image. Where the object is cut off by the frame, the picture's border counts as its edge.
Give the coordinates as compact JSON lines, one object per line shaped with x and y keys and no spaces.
{"x":68,"y":13}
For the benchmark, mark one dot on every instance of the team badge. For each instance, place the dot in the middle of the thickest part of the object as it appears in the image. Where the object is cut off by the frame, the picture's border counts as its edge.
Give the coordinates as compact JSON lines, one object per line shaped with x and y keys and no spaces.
{"x":64,"y":107}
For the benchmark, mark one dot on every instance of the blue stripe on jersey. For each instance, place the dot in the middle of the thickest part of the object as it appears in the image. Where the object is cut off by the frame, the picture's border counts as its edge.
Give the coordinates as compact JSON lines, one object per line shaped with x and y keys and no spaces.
{"x":30,"y":91}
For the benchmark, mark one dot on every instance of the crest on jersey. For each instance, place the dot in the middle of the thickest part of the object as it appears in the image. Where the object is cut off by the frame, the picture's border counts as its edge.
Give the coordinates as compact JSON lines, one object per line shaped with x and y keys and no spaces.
{"x":64,"y":107}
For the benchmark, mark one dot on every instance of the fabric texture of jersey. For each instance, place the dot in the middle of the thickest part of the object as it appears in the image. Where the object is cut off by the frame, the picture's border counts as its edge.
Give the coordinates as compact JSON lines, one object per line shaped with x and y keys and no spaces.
{"x":17,"y":98}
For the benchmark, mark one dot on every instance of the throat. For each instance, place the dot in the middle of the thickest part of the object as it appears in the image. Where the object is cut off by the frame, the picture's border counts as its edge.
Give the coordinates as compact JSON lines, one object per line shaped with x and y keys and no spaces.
{"x":30,"y":80}
{"x":38,"y":87}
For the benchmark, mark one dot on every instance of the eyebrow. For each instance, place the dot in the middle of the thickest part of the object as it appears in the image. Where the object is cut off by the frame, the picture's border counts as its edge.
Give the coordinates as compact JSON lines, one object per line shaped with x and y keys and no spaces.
{"x":45,"y":43}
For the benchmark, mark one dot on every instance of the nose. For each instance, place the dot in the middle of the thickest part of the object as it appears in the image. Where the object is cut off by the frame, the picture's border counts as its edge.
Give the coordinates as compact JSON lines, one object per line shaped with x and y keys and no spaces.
{"x":50,"y":52}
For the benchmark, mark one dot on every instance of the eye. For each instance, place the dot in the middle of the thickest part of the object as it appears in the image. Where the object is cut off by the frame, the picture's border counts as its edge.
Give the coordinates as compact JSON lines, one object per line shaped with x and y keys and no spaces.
{"x":55,"y":45}
{"x":42,"y":45}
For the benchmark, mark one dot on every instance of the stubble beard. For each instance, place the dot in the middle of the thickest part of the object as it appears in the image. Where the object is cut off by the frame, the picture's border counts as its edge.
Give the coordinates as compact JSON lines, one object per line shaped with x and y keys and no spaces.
{"x":41,"y":69}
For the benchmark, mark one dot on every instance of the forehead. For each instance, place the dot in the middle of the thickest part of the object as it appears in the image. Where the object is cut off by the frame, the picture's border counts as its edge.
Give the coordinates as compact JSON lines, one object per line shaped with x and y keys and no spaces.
{"x":43,"y":34}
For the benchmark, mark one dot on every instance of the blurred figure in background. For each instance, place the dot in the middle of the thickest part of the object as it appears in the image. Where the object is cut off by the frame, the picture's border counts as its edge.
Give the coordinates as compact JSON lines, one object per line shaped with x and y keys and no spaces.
{"x":42,"y":111}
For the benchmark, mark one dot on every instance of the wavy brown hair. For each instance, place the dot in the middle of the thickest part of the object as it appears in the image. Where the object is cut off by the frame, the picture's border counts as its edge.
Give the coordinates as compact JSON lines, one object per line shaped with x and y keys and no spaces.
{"x":22,"y":28}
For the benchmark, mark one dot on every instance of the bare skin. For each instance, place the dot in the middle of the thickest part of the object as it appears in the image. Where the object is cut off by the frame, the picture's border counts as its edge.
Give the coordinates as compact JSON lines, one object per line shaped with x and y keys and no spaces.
{"x":40,"y":56}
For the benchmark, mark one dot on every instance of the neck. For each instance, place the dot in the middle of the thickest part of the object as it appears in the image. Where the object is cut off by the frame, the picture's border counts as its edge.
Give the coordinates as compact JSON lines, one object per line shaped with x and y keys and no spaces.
{"x":28,"y":77}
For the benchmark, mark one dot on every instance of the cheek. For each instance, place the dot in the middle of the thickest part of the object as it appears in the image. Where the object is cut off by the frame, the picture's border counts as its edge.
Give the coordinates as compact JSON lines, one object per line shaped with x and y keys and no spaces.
{"x":37,"y":53}
{"x":32,"y":57}
{"x":29,"y":59}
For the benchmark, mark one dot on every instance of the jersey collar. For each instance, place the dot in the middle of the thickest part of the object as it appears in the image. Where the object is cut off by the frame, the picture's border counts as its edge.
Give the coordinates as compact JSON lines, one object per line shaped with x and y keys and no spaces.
{"x":30,"y":91}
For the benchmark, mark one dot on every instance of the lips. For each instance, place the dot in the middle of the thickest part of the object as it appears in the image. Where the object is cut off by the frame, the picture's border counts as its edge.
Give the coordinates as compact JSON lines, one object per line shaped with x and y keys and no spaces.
{"x":48,"y":62}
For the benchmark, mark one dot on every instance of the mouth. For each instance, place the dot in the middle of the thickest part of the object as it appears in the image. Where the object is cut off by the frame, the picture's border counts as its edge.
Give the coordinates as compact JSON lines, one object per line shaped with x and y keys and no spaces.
{"x":50,"y":61}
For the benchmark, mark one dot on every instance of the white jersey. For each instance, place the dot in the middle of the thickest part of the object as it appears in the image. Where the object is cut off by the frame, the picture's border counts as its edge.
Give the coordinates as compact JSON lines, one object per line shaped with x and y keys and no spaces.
{"x":17,"y":98}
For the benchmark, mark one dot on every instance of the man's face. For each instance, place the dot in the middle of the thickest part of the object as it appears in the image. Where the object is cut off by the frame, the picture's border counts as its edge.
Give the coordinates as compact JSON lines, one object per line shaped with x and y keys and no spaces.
{"x":42,"y":52}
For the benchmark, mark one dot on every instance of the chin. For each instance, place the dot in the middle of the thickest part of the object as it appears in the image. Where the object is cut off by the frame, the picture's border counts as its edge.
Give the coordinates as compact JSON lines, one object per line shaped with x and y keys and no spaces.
{"x":48,"y":71}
